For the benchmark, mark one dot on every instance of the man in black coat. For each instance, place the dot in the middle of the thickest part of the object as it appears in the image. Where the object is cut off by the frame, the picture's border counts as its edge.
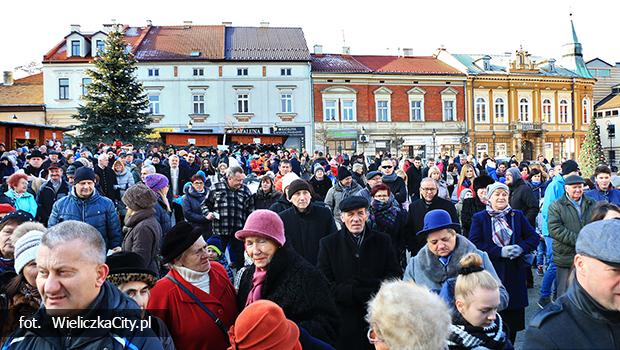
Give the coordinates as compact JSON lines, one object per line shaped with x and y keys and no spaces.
{"x":521,"y":195}
{"x":305,"y":223}
{"x":394,"y":182}
{"x":107,"y":177}
{"x":417,"y":210}
{"x":355,"y":261}
{"x":414,"y":176}
{"x":52,"y":190}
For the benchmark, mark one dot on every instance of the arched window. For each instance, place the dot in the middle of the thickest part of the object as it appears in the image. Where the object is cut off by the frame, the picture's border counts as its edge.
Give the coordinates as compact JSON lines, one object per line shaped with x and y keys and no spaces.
{"x":500,"y":106}
{"x":546,"y":110}
{"x":524,"y":110}
{"x":563,"y":111}
{"x":481,"y":110}
{"x":585,"y":114}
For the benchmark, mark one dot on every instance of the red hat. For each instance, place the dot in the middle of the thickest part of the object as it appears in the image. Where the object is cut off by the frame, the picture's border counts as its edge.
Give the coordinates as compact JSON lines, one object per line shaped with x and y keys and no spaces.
{"x":263,"y":325}
{"x":263,"y":223}
{"x":6,"y":208}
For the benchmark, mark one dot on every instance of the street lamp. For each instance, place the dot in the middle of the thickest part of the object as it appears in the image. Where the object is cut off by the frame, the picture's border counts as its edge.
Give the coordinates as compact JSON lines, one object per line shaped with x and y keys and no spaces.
{"x":434,"y":147}
{"x":611,"y":134}
{"x":493,"y":136}
{"x":561,"y":147}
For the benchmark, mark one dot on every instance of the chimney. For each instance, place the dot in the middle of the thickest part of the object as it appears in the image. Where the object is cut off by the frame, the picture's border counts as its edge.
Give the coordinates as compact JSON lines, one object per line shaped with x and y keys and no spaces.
{"x":264,"y":24}
{"x":149,"y":23}
{"x":318,"y":49}
{"x":346,"y":50}
{"x":407,"y":52}
{"x":75,"y":28}
{"x":187,"y":24}
{"x":486,"y":62}
{"x":8,"y":78}
{"x":551,"y":64}
{"x":227,"y":24}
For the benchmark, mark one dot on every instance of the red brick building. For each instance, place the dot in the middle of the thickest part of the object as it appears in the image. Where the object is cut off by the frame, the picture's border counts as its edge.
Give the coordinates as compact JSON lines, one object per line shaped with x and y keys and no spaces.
{"x":410,"y":104}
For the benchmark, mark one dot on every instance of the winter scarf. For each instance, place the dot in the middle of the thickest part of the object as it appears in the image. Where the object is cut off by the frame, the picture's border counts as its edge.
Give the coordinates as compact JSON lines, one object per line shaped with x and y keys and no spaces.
{"x":257,"y":286}
{"x":466,"y":183}
{"x":499,"y":225}
{"x":464,"y":335}
{"x":383,"y":213}
{"x":389,"y":178}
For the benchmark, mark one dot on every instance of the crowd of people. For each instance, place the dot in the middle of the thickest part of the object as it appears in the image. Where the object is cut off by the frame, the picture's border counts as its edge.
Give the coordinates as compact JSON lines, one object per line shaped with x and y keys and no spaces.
{"x":261,"y":247}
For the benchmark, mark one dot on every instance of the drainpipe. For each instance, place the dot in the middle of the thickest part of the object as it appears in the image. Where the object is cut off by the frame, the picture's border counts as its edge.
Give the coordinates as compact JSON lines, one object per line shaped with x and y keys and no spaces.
{"x":468,"y":116}
{"x":572,"y":95}
{"x":311,"y":140}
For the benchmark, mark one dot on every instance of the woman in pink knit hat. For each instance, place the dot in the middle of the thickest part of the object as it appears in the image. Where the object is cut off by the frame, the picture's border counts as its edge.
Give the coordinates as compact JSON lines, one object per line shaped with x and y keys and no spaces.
{"x":281,"y":275}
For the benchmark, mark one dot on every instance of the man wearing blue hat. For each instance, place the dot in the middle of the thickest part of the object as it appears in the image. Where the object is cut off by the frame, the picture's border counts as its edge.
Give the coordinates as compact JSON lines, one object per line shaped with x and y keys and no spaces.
{"x":588,"y":315}
{"x":355,"y":261}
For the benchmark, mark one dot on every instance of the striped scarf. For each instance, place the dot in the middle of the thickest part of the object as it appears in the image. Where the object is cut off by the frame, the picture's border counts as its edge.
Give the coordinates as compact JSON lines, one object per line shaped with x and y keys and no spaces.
{"x":464,"y":335}
{"x":501,"y":231}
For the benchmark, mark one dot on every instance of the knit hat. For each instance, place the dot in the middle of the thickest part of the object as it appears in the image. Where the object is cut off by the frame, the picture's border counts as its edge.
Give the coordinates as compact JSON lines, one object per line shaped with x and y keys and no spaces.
{"x":496,"y":186}
{"x":263,"y":223}
{"x":464,"y":192}
{"x":180,"y":237}
{"x":84,"y":173}
{"x":156,"y":181}
{"x":569,"y":166}
{"x":298,"y":185}
{"x":127,"y":267}
{"x":215,"y":243}
{"x":262,"y":325}
{"x":139,"y":197}
{"x":343,"y":173}
{"x":357,"y":166}
{"x":71,"y":169}
{"x":26,"y":249}
{"x":482,"y":181}
{"x":288,"y":179}
{"x":317,"y":167}
{"x":515,"y":173}
{"x":6,"y":208}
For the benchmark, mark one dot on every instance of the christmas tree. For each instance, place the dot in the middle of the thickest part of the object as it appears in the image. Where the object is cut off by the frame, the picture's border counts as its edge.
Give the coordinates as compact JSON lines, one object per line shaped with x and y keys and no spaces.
{"x":115,"y":103}
{"x":591,"y":154}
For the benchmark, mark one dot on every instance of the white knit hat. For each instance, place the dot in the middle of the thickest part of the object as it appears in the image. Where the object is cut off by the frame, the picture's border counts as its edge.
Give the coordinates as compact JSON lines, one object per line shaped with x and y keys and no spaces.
{"x":288,"y":179}
{"x":26,"y":249}
{"x":496,"y":186}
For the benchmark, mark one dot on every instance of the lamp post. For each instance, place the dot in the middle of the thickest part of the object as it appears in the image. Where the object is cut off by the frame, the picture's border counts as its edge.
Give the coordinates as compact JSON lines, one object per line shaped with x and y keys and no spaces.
{"x":493,"y":136}
{"x":434,"y":137}
{"x":561,"y":147}
{"x":611,"y":134}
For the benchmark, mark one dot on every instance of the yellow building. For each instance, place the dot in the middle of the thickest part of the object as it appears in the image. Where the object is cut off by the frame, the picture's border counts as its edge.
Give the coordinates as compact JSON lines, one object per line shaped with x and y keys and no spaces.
{"x":525,"y":106}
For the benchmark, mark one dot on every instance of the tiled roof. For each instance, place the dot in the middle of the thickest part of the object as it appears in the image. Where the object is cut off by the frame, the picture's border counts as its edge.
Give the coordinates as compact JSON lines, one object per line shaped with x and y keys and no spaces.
{"x":25,"y":91}
{"x":266,"y":44}
{"x":173,"y":43}
{"x":336,"y":63}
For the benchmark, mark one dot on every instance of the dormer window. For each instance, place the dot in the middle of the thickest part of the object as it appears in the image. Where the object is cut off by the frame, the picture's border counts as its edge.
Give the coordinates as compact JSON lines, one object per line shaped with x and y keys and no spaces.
{"x":75,"y":48}
{"x":99,"y":44}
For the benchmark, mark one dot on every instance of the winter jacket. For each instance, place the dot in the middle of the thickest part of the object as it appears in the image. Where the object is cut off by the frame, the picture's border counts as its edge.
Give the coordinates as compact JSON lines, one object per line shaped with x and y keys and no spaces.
{"x":321,"y":187}
{"x":124,"y":180}
{"x":25,"y":202}
{"x":522,"y":198}
{"x":397,"y":187}
{"x":97,"y":211}
{"x":564,"y":226}
{"x":336,"y":194}
{"x":299,"y":288}
{"x":164,"y":217}
{"x":612,"y":195}
{"x":305,"y":230}
{"x":109,"y":303}
{"x":415,"y":221}
{"x":574,"y":321}
{"x":414,"y":177}
{"x":470,"y":207}
{"x":281,"y":204}
{"x":233,"y":207}
{"x":107,"y":182}
{"x":36,"y":172}
{"x":443,"y":189}
{"x":143,"y":236}
{"x":190,"y":326}
{"x":24,"y":302}
{"x":355,"y":273}
{"x":426,"y":269}
{"x":510,"y":271}
{"x":46,"y":198}
{"x":539,"y":189}
{"x":359,"y":178}
{"x":191,"y":208}
{"x":554,"y":191}
{"x":264,"y":200}
{"x":379,"y":218}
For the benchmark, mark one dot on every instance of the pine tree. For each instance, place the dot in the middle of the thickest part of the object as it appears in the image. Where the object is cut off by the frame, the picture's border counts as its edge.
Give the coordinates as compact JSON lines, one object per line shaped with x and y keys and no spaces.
{"x":591,"y":154}
{"x":115,"y":103}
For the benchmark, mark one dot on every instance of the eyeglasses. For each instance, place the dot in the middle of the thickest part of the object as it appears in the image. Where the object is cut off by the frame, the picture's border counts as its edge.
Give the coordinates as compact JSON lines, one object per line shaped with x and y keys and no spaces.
{"x":387,"y":167}
{"x":372,"y":337}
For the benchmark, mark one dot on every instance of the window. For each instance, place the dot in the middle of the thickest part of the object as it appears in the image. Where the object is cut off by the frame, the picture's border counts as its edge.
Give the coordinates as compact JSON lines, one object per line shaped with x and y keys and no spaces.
{"x":546,"y":110}
{"x":63,"y":88}
{"x":601,"y":73}
{"x":481,"y":150}
{"x":242,"y":71}
{"x":448,"y":111}
{"x":85,"y":83}
{"x":348,"y":111}
{"x":563,"y":112}
{"x":501,"y":149}
{"x":286,"y":102}
{"x":285,"y":71}
{"x":330,"y":110}
{"x":75,"y":48}
{"x":153,"y":72}
{"x":481,"y":110}
{"x":416,"y":110}
{"x":154,"y":104}
{"x":500,"y":110}
{"x":524,"y":110}
{"x":243,"y":103}
{"x":382,"y":111}
{"x":99,"y":45}
{"x":198,"y":101}
{"x":585,"y":107}
{"x":198,"y":72}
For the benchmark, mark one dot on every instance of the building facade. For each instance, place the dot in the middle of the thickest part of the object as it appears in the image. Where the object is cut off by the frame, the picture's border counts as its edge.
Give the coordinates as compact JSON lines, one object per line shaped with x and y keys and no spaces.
{"x":607,"y":77}
{"x":412,"y":105}
{"x":607,"y":114}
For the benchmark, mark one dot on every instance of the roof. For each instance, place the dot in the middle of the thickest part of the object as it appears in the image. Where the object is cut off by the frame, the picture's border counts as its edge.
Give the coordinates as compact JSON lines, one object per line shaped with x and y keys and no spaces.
{"x":266,"y":44}
{"x":40,"y":126}
{"x":500,"y":64}
{"x":24,"y":91}
{"x":173,"y":43}
{"x":338,"y":63}
{"x":610,"y":102}
{"x":597,"y":63}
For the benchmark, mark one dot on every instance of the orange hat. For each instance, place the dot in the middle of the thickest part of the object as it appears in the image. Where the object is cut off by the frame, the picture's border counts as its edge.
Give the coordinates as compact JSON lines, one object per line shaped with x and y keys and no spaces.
{"x":263,"y":325}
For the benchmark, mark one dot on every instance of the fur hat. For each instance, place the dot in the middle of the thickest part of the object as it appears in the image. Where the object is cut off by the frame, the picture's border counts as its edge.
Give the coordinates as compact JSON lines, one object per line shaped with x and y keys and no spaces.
{"x":138,"y":197}
{"x":482,"y":181}
{"x":263,"y":223}
{"x":127,"y":267}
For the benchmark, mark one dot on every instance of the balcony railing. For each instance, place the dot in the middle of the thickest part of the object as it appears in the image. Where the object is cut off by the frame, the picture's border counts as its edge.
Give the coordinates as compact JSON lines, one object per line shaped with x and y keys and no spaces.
{"x":524,"y":127}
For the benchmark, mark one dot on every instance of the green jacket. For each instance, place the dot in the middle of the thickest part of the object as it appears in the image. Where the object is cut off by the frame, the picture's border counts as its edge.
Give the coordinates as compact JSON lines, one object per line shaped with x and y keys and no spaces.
{"x":564,"y":226}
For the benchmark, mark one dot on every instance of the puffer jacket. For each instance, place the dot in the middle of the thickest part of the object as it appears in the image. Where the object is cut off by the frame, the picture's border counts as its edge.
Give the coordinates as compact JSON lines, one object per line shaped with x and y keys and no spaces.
{"x":110,"y":303}
{"x":336,"y":194}
{"x":25,"y":202}
{"x":97,"y":211}
{"x":143,"y":236}
{"x":191,"y":207}
{"x":564,"y":226}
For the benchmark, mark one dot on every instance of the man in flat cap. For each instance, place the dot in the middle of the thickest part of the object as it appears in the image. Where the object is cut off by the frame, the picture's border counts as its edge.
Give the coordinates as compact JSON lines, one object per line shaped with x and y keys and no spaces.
{"x":588,"y":315}
{"x":355,"y":261}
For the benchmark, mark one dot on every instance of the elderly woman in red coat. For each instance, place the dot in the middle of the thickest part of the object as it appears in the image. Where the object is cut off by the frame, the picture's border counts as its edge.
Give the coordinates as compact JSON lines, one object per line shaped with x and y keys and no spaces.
{"x":193,"y":284}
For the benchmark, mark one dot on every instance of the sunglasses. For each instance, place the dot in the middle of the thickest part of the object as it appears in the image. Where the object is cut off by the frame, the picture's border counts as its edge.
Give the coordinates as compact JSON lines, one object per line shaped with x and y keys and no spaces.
{"x":387,"y":167}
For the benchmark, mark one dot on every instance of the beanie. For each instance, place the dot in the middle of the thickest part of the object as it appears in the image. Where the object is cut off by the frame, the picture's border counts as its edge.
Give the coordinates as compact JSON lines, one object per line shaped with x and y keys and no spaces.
{"x":318,"y":167}
{"x":496,"y":186}
{"x":343,"y":173}
{"x":298,"y":185}
{"x":138,"y":197}
{"x":215,"y":243}
{"x":156,"y":181}
{"x":84,"y":173}
{"x":288,"y":179}
{"x":26,"y":249}
{"x":569,"y":166}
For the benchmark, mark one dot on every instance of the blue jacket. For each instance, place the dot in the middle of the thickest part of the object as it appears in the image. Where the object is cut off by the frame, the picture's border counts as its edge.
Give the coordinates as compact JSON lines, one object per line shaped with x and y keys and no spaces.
{"x":26,"y":202}
{"x":554,"y":191}
{"x":97,"y":211}
{"x":510,"y":271}
{"x":611,"y":196}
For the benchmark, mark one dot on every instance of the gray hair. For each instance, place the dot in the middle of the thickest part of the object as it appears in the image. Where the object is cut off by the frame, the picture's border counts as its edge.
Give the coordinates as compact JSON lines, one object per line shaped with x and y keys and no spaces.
{"x":67,"y":231}
{"x":232,"y":171}
{"x":103,"y":156}
{"x":429,"y":180}
{"x":149,"y":169}
{"x":173,"y":156}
